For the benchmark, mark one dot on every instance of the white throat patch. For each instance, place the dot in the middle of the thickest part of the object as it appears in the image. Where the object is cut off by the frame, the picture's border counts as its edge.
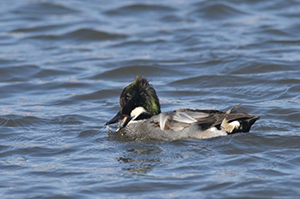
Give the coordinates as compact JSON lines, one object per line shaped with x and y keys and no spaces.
{"x":137,"y":112}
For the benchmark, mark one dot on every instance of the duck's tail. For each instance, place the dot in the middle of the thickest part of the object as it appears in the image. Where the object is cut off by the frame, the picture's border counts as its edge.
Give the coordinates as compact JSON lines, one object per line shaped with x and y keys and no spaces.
{"x":239,"y":125}
{"x":238,"y":122}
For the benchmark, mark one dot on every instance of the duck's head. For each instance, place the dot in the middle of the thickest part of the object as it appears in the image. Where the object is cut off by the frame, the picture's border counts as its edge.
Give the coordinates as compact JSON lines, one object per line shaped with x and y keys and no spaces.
{"x":138,"y":101}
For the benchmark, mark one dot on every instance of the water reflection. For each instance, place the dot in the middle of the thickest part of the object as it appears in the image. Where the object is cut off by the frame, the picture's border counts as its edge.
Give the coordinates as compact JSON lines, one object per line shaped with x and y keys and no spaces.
{"x":140,"y":157}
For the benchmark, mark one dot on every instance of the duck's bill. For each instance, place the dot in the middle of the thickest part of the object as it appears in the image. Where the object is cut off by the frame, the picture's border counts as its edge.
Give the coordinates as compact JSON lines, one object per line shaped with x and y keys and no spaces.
{"x":116,"y":119}
{"x":125,"y":119}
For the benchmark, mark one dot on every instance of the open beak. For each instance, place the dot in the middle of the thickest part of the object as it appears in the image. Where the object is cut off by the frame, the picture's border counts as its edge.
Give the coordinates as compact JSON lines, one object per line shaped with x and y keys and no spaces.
{"x":125,"y":119}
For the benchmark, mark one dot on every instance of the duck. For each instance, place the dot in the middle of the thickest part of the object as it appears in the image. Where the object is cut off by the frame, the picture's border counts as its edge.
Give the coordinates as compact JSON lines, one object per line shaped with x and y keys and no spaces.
{"x":140,"y":118}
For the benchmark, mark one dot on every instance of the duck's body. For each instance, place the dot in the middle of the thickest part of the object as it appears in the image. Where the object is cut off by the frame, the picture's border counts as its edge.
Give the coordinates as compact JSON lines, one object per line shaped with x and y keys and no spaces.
{"x":188,"y":124}
{"x":142,"y":119}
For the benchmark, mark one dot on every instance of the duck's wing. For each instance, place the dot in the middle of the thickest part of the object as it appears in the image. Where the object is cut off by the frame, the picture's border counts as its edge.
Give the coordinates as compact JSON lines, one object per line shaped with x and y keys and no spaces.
{"x":205,"y":119}
{"x":180,"y":119}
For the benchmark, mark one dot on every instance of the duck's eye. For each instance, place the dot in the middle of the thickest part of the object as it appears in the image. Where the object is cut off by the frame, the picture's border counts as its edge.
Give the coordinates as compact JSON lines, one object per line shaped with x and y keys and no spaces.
{"x":127,"y":97}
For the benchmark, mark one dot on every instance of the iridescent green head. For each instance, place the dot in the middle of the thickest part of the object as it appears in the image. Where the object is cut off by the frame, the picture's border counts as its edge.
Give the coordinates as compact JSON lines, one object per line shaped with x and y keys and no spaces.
{"x":139,"y":94}
{"x":138,"y":100}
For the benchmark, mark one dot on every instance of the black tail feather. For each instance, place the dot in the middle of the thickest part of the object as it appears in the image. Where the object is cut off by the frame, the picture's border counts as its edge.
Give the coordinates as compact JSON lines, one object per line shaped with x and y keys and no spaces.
{"x":245,"y":124}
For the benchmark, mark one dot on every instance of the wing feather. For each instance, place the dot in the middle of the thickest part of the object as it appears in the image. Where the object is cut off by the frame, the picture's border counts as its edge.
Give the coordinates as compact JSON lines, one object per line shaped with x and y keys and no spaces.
{"x":183,"y":117}
{"x":163,"y":119}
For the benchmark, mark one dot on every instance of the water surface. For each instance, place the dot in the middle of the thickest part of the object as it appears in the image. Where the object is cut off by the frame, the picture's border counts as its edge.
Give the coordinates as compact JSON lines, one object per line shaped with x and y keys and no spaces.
{"x":63,"y":65}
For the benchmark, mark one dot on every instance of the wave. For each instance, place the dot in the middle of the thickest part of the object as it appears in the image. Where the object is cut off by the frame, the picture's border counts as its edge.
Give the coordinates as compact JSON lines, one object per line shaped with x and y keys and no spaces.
{"x":82,"y":34}
{"x":139,"y":9}
{"x":132,"y":71}
{"x":20,"y":121}
{"x":89,"y":34}
{"x":217,"y":11}
{"x":39,"y":28}
{"x":18,"y":73}
{"x":44,"y":8}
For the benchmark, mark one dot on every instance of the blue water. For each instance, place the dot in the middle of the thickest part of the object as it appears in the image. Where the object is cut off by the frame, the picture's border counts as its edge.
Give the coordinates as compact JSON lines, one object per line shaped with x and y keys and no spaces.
{"x":63,"y":65}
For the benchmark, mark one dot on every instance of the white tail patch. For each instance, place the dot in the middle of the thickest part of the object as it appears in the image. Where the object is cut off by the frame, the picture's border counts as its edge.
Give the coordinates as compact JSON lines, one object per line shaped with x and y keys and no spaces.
{"x":137,"y":112}
{"x":229,"y":127}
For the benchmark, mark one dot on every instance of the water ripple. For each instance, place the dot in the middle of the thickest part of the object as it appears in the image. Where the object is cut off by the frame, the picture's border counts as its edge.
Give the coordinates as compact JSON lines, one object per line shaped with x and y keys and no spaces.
{"x":20,"y":121}
{"x":44,"y":8}
{"x":140,"y":9}
{"x":136,"y":69}
{"x":216,"y":11}
{"x":82,"y":35}
{"x":17,"y":73}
